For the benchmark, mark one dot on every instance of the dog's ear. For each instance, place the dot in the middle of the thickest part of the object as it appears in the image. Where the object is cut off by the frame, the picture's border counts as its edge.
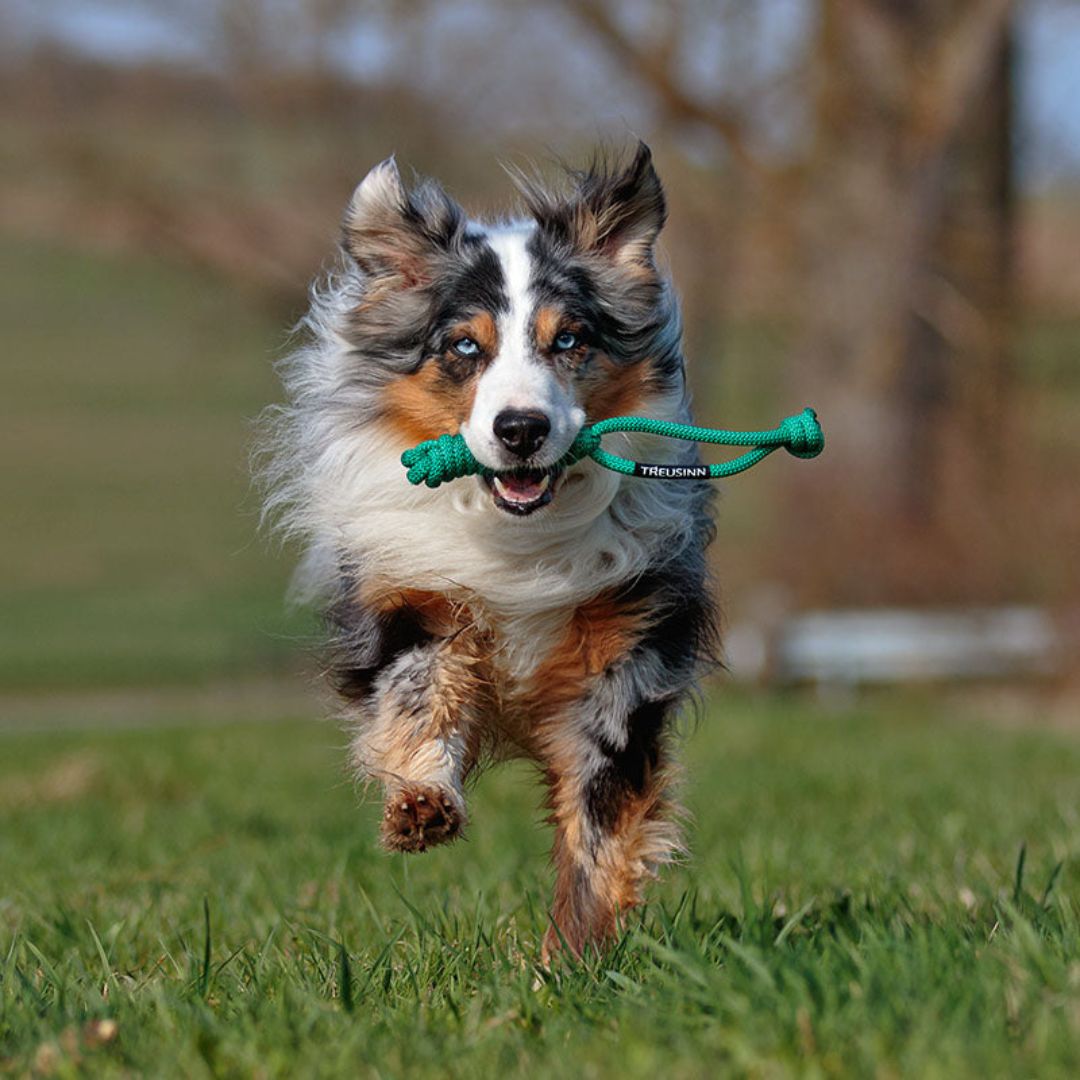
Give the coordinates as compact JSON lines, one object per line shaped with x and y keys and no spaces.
{"x":395,"y":234}
{"x":616,"y":211}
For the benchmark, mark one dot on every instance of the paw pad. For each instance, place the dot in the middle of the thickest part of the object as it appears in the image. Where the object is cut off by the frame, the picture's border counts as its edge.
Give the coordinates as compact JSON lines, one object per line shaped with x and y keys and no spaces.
{"x":416,"y":818}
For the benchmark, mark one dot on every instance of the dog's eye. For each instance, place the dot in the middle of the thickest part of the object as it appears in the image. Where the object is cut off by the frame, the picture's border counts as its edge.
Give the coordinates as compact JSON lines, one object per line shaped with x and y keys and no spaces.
{"x":466,"y":347}
{"x":564,"y":340}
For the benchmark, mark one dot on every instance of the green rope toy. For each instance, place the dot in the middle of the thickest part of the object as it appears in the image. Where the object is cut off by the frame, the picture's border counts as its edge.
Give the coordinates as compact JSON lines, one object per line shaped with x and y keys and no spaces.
{"x":446,"y":458}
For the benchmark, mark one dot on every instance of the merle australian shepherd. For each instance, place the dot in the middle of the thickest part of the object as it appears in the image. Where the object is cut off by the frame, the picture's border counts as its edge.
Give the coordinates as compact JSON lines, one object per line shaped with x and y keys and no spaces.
{"x":558,"y":614}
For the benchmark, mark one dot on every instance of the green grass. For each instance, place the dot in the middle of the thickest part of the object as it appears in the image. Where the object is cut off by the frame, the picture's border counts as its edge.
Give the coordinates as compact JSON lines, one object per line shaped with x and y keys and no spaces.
{"x":127,"y":391}
{"x":853,"y":906}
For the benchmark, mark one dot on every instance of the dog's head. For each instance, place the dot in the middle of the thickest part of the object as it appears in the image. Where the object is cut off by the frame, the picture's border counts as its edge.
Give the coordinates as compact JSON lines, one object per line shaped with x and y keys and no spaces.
{"x":513,"y":334}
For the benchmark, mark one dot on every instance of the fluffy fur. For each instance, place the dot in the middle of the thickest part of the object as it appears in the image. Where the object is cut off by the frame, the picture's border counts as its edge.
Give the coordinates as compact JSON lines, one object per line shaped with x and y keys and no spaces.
{"x":562,"y":616}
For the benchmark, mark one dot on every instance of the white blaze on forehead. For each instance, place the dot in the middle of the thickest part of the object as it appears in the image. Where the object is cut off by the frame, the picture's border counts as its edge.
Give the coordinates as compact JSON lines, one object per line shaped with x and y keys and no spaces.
{"x":511,"y":247}
{"x":514,"y":380}
{"x":517,"y":378}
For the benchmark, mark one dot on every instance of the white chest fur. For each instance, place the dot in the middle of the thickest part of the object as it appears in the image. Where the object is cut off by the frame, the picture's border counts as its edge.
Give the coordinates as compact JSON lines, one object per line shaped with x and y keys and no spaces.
{"x":599,"y":532}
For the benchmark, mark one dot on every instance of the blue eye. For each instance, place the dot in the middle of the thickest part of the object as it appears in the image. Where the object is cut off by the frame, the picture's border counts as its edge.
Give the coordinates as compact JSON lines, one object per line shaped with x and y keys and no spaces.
{"x":564,"y":341}
{"x":466,"y":347}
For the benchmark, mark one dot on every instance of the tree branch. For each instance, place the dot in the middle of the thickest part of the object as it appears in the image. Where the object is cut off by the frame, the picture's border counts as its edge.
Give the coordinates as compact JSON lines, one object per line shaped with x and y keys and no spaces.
{"x":654,"y":68}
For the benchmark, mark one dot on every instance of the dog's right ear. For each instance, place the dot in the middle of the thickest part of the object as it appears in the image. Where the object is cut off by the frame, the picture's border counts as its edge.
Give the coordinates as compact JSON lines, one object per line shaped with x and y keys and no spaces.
{"x":395,"y":234}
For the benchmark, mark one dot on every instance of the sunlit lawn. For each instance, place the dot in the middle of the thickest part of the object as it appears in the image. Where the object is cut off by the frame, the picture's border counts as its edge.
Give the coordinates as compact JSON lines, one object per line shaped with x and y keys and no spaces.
{"x":851,"y":907}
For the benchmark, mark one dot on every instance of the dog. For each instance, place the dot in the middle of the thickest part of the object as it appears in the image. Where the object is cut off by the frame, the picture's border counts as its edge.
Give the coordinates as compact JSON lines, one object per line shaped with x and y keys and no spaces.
{"x":561,"y":614}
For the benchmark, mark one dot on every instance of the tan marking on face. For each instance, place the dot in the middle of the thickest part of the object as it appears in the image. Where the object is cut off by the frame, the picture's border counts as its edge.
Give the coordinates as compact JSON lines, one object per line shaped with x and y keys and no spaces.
{"x":425,"y":405}
{"x":546,"y":326}
{"x":482,"y":329}
{"x":548,"y":323}
{"x":428,"y":403}
{"x":614,"y":390}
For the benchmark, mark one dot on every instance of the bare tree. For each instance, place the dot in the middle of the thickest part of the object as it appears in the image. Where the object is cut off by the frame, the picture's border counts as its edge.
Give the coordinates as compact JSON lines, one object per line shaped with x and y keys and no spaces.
{"x":900,"y":205}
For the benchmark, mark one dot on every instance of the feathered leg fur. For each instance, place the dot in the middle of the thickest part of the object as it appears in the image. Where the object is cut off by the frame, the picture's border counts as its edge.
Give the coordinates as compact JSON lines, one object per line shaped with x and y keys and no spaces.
{"x":606,"y":696}
{"x":417,"y":673}
{"x":613,"y":829}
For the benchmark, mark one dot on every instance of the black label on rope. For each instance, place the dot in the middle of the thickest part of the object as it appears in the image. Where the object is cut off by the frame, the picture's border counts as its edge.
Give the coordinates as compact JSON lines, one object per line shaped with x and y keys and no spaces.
{"x":672,"y":472}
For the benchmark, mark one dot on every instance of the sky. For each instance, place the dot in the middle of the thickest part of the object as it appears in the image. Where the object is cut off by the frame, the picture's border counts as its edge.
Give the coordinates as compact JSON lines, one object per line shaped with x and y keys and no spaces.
{"x":1049,"y":55}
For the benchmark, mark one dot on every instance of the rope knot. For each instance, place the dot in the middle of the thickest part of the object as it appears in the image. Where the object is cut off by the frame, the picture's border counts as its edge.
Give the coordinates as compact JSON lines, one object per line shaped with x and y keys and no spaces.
{"x":585,"y":443}
{"x":802,"y":434}
{"x":438,"y":460}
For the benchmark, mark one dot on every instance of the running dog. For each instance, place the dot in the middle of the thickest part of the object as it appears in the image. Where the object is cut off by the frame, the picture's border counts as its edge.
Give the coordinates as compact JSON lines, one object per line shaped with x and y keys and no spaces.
{"x":561,"y":614}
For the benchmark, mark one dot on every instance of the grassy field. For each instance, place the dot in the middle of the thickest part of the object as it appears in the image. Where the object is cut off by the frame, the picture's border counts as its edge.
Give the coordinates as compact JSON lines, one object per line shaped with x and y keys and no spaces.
{"x":209,"y":901}
{"x":189,"y":886}
{"x":127,"y":395}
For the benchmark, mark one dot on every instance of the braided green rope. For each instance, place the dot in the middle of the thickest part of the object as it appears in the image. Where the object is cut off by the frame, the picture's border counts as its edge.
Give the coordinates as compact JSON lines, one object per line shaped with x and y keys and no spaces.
{"x":448,"y":457}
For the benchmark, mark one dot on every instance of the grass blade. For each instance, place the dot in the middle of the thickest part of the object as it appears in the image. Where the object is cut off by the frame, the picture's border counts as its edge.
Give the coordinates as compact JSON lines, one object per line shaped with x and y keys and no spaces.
{"x":204,"y":978}
{"x":106,"y":967}
{"x":345,"y":983}
{"x":793,"y":922}
{"x":1018,"y":886}
{"x":1054,"y":875}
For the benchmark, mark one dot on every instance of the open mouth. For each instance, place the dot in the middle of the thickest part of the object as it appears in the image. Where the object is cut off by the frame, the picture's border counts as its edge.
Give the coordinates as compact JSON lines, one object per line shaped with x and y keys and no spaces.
{"x":524,"y":491}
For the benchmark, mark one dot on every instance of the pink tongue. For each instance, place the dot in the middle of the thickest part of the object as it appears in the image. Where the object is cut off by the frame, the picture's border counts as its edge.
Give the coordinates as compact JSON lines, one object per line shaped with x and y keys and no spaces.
{"x":521,"y":487}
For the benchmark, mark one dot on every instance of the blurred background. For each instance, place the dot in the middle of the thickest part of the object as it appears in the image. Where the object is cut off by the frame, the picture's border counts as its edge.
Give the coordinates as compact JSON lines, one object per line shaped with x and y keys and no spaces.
{"x":875,"y":209}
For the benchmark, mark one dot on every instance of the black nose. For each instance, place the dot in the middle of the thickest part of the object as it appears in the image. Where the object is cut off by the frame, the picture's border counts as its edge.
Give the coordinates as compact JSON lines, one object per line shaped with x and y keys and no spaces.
{"x":522,"y":433}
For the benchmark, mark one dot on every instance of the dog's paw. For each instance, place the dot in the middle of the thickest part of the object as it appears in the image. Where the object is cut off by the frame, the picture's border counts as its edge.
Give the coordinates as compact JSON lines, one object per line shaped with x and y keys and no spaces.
{"x":418,"y":817}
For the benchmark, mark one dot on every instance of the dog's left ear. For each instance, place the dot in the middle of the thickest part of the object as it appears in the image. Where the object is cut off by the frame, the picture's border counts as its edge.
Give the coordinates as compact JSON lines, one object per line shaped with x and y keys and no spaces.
{"x":617,"y":210}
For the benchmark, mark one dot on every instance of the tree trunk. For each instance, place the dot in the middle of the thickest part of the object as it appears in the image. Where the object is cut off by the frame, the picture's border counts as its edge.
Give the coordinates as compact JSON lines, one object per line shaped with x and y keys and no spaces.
{"x":905,"y":274}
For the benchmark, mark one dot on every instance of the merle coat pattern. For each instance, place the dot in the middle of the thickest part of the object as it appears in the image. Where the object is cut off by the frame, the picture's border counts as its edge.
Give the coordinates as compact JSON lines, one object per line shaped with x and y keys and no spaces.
{"x":562,"y":615}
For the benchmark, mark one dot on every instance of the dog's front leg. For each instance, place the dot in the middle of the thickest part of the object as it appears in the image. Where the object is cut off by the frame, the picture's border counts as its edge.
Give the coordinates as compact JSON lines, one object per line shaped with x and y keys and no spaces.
{"x":418,"y":736}
{"x":603,"y":700}
{"x":613,"y":821}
